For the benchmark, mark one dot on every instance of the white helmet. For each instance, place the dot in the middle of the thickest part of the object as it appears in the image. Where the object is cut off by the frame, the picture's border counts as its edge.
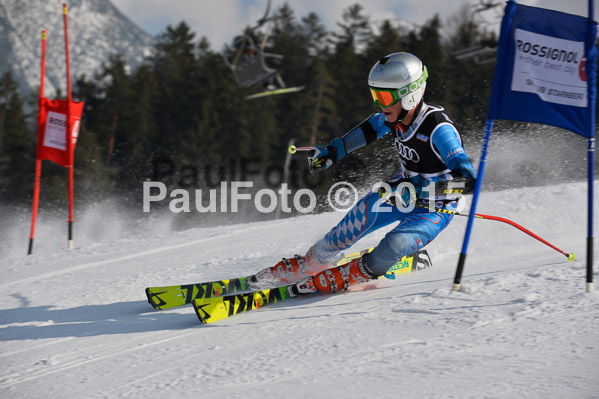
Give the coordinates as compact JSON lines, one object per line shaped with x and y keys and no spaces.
{"x":404,"y":74}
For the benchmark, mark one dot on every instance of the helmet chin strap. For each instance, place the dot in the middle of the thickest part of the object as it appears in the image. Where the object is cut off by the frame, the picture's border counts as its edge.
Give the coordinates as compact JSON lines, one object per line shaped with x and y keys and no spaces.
{"x":402,"y":115}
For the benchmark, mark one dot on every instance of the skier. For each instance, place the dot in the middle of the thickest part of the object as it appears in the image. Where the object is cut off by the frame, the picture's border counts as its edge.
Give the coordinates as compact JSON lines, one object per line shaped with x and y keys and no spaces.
{"x":430,"y":150}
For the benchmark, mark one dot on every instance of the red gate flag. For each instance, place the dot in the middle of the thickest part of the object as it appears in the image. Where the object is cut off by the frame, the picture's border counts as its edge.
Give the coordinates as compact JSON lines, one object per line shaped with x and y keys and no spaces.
{"x":52,"y":130}
{"x":57,"y":130}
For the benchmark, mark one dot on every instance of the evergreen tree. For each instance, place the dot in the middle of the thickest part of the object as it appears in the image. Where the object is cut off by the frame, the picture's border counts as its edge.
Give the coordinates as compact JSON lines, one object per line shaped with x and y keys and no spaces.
{"x":291,"y":40}
{"x":17,"y":143}
{"x":175,"y":69}
{"x":183,"y":104}
{"x":216,"y":84}
{"x":349,"y":67}
{"x":388,"y":40}
{"x":116,"y":109}
{"x":427,"y":46}
{"x":469,"y":84}
{"x":322,"y":97}
{"x":142,"y":127}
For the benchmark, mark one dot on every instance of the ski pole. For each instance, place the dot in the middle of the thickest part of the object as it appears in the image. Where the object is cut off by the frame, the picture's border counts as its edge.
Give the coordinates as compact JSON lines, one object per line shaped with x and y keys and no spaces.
{"x":570,"y":256}
{"x":293,"y":149}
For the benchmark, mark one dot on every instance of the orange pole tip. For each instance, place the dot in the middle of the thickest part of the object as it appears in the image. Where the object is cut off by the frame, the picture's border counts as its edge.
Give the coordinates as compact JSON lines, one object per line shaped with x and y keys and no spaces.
{"x":65,"y":8}
{"x":44,"y":34}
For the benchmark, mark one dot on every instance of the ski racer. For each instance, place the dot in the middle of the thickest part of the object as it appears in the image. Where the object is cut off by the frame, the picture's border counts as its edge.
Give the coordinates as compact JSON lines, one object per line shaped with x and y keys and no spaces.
{"x":430,"y":150}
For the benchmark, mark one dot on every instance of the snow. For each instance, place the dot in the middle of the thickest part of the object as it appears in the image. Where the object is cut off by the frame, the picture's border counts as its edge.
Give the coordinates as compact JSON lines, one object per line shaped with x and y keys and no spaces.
{"x":76,"y":323}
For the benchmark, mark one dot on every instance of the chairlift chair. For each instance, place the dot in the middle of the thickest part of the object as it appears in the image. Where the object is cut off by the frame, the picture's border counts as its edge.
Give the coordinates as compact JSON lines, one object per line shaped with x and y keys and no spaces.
{"x":249,"y":67}
{"x":479,"y":53}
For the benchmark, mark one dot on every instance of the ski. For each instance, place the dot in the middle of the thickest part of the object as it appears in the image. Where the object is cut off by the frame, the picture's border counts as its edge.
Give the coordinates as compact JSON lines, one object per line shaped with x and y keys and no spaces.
{"x":274,"y":92}
{"x":213,"y":309}
{"x":179,"y":295}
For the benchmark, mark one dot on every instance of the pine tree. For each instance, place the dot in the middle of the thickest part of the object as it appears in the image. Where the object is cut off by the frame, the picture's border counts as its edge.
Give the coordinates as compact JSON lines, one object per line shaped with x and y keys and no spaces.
{"x":469,"y":84}
{"x":117,"y":108}
{"x":184,"y":105}
{"x":350,"y":67}
{"x":427,"y":46}
{"x":17,"y":143}
{"x":175,"y":69}
{"x":389,"y":40}
{"x":289,"y":40}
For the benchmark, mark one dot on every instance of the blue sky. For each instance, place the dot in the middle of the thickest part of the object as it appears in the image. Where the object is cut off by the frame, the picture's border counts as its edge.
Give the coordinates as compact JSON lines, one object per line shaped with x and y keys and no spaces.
{"x":221,"y":20}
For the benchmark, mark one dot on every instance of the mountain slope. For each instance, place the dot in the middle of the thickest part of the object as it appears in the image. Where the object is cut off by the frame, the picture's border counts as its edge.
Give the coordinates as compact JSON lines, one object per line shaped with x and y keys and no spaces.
{"x":97,"y":29}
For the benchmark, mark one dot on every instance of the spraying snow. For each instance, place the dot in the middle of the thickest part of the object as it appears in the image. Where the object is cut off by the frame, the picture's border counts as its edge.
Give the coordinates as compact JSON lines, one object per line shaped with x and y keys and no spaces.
{"x":76,"y":323}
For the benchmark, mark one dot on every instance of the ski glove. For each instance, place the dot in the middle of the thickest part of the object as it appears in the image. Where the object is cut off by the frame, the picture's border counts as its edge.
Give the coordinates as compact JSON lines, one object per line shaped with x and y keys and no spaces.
{"x":321,"y":157}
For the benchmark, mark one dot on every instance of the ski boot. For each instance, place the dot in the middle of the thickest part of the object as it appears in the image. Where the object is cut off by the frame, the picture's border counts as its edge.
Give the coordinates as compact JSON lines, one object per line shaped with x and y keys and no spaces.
{"x":343,"y":276}
{"x":289,"y":270}
{"x":305,"y":286}
{"x":286,"y":271}
{"x":334,"y":279}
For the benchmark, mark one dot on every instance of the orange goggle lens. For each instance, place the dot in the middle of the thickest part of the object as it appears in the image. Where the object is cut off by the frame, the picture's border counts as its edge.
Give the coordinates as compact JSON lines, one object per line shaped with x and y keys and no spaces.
{"x":384,"y":98}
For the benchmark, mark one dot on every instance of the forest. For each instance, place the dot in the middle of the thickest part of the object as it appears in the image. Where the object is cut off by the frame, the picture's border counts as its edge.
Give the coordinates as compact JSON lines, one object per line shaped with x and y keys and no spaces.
{"x":181,"y":119}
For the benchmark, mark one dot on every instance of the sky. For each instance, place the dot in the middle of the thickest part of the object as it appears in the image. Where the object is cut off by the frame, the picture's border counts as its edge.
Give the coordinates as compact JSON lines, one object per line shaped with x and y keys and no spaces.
{"x":220,"y":21}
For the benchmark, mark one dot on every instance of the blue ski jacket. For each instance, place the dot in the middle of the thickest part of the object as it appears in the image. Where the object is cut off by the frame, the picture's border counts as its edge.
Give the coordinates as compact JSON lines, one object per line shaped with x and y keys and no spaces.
{"x":430,"y":148}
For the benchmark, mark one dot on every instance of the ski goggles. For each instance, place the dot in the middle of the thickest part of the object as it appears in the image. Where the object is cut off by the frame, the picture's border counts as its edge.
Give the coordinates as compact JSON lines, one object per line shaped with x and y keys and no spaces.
{"x":387,"y":97}
{"x":384,"y":97}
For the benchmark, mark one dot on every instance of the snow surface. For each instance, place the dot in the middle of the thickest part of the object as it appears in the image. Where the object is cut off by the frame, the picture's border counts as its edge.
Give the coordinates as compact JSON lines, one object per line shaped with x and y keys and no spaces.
{"x":75,"y":323}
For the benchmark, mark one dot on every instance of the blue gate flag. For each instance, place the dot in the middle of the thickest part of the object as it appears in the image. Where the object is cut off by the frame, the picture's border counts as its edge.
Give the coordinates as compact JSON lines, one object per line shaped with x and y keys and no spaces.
{"x":546,"y":69}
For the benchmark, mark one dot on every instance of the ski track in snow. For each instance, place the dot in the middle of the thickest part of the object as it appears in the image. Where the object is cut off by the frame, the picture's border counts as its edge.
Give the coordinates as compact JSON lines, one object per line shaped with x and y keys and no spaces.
{"x":76,"y":324}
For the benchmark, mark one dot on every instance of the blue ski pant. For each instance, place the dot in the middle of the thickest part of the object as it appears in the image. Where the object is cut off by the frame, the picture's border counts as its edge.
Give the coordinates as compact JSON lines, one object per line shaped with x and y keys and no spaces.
{"x":415,"y":230}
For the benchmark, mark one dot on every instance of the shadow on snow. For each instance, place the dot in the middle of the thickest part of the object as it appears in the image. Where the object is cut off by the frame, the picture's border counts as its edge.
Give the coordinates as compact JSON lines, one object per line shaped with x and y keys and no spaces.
{"x":91,"y":320}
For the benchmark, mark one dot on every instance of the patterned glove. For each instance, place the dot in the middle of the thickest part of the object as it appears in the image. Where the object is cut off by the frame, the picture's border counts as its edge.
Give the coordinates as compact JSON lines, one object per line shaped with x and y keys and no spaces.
{"x":321,"y":157}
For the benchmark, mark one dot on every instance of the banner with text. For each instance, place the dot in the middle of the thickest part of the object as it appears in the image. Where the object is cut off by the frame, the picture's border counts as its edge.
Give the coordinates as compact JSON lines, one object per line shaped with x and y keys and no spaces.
{"x":52,"y":130}
{"x":546,"y":69}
